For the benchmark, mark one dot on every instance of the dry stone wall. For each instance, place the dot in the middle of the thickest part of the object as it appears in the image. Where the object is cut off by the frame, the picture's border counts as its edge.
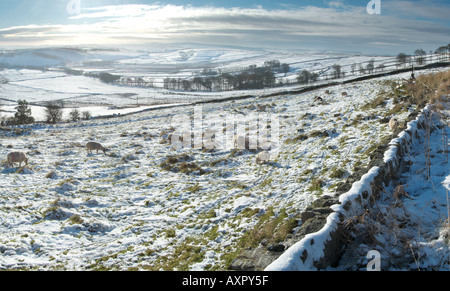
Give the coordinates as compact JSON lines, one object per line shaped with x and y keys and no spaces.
{"x":319,"y":242}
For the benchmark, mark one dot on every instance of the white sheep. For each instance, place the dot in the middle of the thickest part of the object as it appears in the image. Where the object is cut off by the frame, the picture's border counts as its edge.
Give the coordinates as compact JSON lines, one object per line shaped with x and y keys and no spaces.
{"x":209,"y":139}
{"x":261,"y":107}
{"x":262,"y":157}
{"x":17,"y":157}
{"x":91,"y":146}
{"x":393,"y":124}
{"x":239,"y":141}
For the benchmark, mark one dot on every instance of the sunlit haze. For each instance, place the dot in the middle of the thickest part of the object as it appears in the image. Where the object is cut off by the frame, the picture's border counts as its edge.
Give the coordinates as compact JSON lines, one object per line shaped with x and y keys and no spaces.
{"x":309,"y":25}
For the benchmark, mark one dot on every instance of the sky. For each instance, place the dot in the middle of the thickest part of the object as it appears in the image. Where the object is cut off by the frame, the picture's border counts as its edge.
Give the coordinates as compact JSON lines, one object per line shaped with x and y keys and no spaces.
{"x":386,"y":28}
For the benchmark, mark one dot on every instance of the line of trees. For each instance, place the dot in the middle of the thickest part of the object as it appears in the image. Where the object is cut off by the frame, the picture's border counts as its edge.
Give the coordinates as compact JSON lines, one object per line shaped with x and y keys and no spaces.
{"x":53,"y":113}
{"x":252,"y":77}
{"x":306,"y":77}
{"x":443,"y":52}
{"x":419,"y":58}
{"x":255,"y":77}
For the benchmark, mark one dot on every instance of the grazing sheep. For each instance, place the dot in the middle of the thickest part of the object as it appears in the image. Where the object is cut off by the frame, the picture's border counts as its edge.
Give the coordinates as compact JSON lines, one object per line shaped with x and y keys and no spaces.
{"x":319,"y":99}
{"x":261,"y":107}
{"x":262,"y":157}
{"x":238,"y":141}
{"x":180,"y":139}
{"x":209,"y":139}
{"x":173,"y":137}
{"x":17,"y":157}
{"x":393,"y":124}
{"x":344,"y":94}
{"x":91,"y":146}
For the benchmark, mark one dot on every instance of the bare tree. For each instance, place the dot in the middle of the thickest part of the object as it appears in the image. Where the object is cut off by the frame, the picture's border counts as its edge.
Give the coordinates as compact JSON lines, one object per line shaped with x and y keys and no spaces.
{"x":337,"y":73}
{"x":285,"y":68}
{"x":381,"y":67}
{"x":74,"y":114}
{"x":362,"y":71}
{"x":442,"y":51}
{"x":371,"y":66}
{"x":420,"y":56}
{"x":303,"y":77}
{"x":86,"y":115}
{"x":402,"y":59}
{"x":53,"y":111}
{"x":353,"y":69}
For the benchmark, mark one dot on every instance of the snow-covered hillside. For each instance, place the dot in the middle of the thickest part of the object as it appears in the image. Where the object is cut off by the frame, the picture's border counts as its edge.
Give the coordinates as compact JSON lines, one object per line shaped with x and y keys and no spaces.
{"x":137,"y":207}
{"x":22,"y":79}
{"x":184,"y":62}
{"x":145,"y":205}
{"x":406,"y":226}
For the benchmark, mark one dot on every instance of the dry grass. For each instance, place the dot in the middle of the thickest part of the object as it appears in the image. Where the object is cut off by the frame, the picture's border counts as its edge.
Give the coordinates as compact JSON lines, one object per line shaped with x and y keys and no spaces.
{"x":383,"y":227}
{"x":388,"y":225}
{"x":431,"y":87}
{"x":271,"y":228}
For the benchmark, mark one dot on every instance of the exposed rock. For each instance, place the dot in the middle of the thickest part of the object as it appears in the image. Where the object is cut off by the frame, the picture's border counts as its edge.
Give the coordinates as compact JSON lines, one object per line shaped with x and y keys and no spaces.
{"x":276,"y":248}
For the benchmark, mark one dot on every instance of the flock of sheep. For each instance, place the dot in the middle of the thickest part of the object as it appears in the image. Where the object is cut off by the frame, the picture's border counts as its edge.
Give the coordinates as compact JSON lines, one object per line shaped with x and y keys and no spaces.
{"x":20,"y":157}
{"x":262,"y":157}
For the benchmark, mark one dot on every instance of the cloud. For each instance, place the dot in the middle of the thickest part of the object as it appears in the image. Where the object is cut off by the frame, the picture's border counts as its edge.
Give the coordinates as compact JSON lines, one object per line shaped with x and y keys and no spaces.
{"x":338,"y":25}
{"x":428,"y":9}
{"x":116,"y":11}
{"x":23,"y":31}
{"x":336,"y":3}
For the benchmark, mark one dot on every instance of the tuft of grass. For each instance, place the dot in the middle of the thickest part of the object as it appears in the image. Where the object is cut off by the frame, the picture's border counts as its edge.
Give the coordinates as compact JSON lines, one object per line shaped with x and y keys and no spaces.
{"x":399,"y":107}
{"x":379,"y":101}
{"x":194,"y":188}
{"x":210,"y":214}
{"x":319,"y":133}
{"x":51,"y":175}
{"x":266,"y":182}
{"x":182,"y":257}
{"x":298,"y":138}
{"x":170,"y":233}
{"x":188,"y":168}
{"x":250,"y":212}
{"x":65,"y":181}
{"x":316,"y":185}
{"x":75,"y":219}
{"x":271,"y":227}
{"x":337,"y":173}
{"x":181,"y":164}
{"x":213,"y":163}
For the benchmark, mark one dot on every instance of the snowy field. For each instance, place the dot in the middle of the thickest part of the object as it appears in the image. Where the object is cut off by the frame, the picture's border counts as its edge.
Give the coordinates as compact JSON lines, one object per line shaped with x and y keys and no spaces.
{"x":88,"y":93}
{"x":145,"y":205}
{"x":409,"y":224}
{"x":69,"y":209}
